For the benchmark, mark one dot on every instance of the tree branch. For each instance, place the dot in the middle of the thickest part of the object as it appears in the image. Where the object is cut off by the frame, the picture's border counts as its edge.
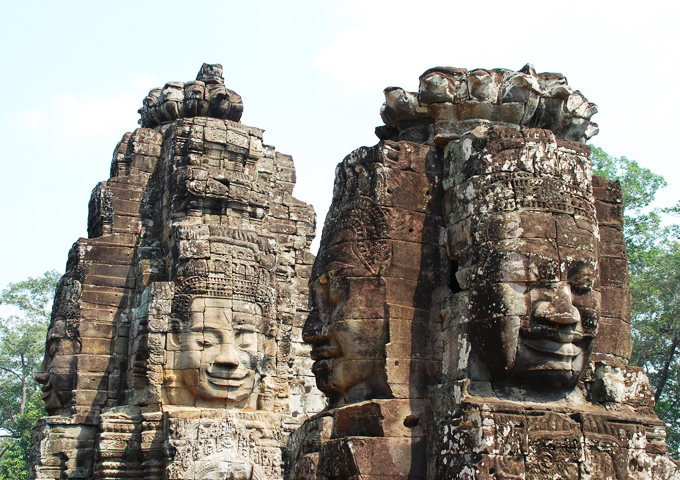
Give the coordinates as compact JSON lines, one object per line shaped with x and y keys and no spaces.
{"x":10,"y":371}
{"x":666,"y":368}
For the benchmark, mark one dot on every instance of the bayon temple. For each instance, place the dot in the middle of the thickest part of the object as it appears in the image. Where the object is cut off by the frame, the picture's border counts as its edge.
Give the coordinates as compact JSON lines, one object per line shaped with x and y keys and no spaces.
{"x":467,"y":315}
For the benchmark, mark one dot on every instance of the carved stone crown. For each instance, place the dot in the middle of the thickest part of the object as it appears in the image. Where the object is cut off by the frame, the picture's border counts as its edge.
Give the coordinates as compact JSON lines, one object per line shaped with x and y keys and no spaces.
{"x":449,"y":98}
{"x":205,"y":97}
{"x":501,"y":169}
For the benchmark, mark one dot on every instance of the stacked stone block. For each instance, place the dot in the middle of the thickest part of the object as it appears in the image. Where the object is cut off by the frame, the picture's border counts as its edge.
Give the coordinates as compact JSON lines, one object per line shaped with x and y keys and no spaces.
{"x":533,"y":322}
{"x":198,"y":212}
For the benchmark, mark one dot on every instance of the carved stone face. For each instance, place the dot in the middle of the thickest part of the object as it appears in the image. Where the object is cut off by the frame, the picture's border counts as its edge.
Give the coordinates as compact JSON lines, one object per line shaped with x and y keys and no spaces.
{"x":218,"y":356}
{"x":173,"y":91}
{"x":346,"y":327}
{"x":535,"y":315}
{"x":57,"y":371}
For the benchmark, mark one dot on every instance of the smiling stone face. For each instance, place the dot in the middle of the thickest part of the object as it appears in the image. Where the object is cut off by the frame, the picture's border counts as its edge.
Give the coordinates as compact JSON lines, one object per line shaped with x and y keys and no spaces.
{"x":523,"y":238}
{"x":532,"y":305}
{"x":218,"y":347}
{"x":218,"y":356}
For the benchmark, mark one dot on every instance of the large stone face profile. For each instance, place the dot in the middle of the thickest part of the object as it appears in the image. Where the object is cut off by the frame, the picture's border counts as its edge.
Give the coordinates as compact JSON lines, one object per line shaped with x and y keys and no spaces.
{"x":470,"y":307}
{"x":175,"y":347}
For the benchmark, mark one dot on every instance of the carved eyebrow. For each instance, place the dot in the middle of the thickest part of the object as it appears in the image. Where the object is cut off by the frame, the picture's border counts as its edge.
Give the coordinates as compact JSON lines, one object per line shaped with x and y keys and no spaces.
{"x":579,"y":267}
{"x":245,"y":327}
{"x":333,"y":269}
{"x":210,"y":331}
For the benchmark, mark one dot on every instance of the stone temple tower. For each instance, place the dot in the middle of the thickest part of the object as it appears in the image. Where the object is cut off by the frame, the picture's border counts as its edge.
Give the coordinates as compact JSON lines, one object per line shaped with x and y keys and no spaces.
{"x":175,"y":347}
{"x":470,"y":307}
{"x":467,"y":315}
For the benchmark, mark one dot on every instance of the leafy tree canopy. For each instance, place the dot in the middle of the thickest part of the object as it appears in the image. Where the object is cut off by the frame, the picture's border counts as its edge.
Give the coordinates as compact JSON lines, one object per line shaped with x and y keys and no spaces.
{"x":653,"y":247}
{"x":22,"y":343}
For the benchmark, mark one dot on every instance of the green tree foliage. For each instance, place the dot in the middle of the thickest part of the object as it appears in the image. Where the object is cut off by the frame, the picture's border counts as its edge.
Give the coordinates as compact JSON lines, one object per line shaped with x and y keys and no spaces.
{"x":22,"y":340}
{"x":654,"y":266}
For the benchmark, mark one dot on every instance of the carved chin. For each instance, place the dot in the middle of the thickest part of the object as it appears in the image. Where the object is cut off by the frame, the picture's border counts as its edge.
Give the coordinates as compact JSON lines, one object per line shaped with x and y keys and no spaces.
{"x":52,"y":402}
{"x":559,"y":368}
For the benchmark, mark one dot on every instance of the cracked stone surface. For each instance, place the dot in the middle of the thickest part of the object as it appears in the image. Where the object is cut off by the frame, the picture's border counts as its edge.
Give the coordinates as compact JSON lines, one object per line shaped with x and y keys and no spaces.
{"x":175,"y":348}
{"x":467,"y":315}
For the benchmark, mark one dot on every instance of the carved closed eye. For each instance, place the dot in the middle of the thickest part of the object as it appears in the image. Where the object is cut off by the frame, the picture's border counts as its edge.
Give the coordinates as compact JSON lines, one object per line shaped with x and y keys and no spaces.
{"x":321,"y":295}
{"x":337,"y":290}
{"x":246,"y":340}
{"x":208,"y":340}
{"x":581,"y":279}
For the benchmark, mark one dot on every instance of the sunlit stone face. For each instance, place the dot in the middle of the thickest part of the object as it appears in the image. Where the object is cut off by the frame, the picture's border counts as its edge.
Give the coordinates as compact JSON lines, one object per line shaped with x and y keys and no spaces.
{"x":218,"y":356}
{"x":346,"y":326}
{"x":533,"y":309}
{"x":57,"y":371}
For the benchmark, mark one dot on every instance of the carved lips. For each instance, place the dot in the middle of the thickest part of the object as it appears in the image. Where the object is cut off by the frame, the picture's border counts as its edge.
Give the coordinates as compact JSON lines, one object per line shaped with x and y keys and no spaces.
{"x":559,"y":342}
{"x":230,"y":378}
{"x":323,"y":356}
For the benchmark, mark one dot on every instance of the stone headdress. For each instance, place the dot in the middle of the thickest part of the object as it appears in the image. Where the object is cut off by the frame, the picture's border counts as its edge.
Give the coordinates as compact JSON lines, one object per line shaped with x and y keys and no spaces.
{"x":360,"y":186}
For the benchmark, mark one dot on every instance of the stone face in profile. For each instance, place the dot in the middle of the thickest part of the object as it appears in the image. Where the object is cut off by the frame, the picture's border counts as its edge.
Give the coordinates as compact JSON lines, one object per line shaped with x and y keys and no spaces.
{"x":57,"y":373}
{"x":346,"y":327}
{"x":375,"y":339}
{"x":55,"y":377}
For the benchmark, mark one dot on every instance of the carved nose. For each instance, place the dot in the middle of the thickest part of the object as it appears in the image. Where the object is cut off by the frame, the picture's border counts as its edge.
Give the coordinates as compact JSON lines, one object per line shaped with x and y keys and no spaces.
{"x":555,"y":306}
{"x":315,"y":328}
{"x":42,"y":376}
{"x":228,"y":355}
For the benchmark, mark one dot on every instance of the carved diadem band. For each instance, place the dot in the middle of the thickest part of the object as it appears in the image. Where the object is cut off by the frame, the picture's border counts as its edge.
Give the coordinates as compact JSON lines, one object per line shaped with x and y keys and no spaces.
{"x":515,"y":191}
{"x":211,"y":286}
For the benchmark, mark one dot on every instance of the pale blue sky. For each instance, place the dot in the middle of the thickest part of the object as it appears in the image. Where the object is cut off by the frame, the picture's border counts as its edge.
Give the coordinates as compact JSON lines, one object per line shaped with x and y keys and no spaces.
{"x":311,"y":73}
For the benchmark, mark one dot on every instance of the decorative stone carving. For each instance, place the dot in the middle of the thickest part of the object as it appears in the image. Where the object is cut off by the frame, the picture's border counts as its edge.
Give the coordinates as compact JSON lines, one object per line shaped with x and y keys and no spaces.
{"x":205,"y":97}
{"x":175,"y":349}
{"x":523,"y":386}
{"x":468,"y":313}
{"x":376,"y":340}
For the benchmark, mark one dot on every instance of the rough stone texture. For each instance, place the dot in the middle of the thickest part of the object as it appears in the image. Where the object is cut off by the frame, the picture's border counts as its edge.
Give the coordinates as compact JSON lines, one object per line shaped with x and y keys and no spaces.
{"x":376,"y":341}
{"x":468,"y":313}
{"x":175,"y":347}
{"x":478,"y":213}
